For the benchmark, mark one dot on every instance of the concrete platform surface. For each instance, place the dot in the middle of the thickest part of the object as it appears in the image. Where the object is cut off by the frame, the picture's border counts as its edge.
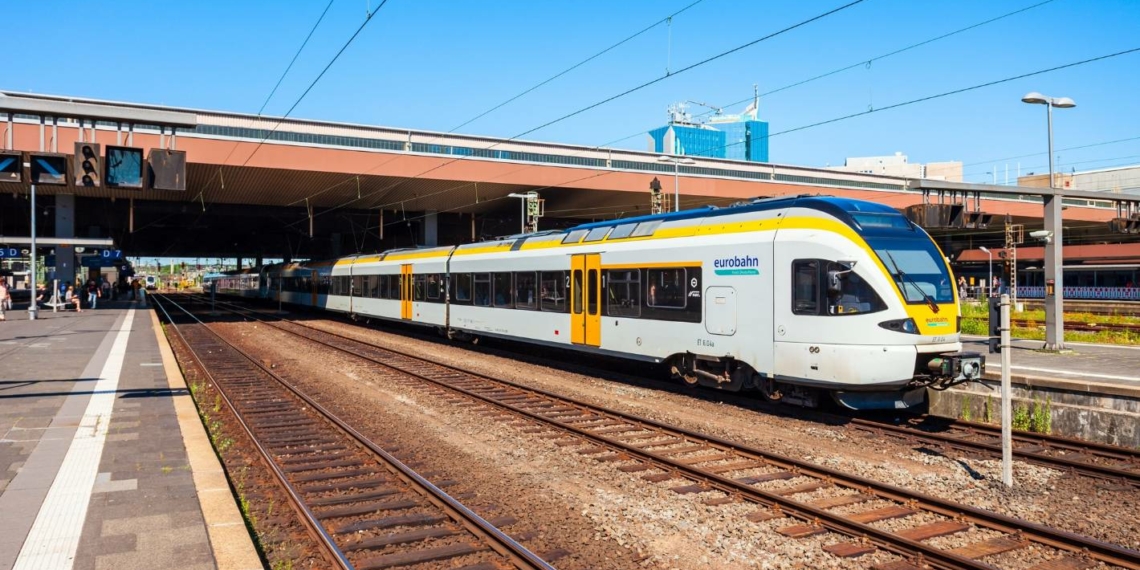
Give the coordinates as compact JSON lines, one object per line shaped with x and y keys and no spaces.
{"x":94,"y":435}
{"x":1098,"y":368}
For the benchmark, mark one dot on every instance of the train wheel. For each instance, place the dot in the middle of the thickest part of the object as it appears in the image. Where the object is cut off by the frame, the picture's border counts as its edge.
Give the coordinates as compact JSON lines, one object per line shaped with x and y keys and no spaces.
{"x":678,"y":370}
{"x":768,"y":389}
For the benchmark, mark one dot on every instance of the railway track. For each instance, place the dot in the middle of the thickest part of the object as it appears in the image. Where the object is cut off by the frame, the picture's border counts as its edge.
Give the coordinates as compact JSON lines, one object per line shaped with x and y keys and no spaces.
{"x":1114,"y":464}
{"x":1111,"y":463}
{"x":726,"y":472}
{"x":1074,"y":326}
{"x":365,"y":508}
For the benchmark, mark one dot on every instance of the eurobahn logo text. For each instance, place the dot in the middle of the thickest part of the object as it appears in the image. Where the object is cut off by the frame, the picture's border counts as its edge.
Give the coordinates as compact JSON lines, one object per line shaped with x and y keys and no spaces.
{"x":736,"y":265}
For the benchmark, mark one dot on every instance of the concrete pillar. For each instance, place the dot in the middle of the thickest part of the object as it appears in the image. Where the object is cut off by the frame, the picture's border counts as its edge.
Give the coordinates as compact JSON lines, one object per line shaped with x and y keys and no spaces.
{"x":64,"y":228}
{"x":239,"y":260}
{"x":260,"y":261}
{"x":1054,"y":312}
{"x":431,"y":228}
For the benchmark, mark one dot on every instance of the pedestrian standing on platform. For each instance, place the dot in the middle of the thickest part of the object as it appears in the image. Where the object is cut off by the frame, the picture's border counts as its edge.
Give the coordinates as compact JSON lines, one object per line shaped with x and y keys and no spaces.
{"x":92,"y":293}
{"x":961,"y":287}
{"x":134,"y":289}
{"x":4,"y":297}
{"x":7,"y":303}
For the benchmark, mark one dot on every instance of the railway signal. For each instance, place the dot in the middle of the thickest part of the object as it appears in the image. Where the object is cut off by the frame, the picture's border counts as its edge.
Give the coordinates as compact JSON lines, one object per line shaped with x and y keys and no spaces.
{"x":86,"y":168}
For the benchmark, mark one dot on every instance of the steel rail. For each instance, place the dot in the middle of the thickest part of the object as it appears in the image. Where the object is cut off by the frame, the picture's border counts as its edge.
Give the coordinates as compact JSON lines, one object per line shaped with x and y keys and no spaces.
{"x":500,"y":542}
{"x":331,"y":551}
{"x":1052,"y":442}
{"x":1061,"y":540}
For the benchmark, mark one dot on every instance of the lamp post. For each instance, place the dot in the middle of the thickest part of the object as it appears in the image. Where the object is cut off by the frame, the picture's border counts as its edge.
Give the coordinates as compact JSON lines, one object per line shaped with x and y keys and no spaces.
{"x":677,"y":162}
{"x":1054,"y":273}
{"x":989,"y":283}
{"x":33,"y":311}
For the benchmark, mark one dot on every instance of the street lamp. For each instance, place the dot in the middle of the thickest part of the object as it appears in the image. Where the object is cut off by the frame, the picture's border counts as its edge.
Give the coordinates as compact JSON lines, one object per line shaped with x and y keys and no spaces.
{"x":990,"y":282}
{"x":677,"y":162}
{"x":33,"y":311}
{"x":1054,"y":273}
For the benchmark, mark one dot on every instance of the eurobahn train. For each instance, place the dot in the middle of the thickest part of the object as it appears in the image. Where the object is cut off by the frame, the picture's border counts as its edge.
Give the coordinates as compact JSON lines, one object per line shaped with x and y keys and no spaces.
{"x":797,"y":297}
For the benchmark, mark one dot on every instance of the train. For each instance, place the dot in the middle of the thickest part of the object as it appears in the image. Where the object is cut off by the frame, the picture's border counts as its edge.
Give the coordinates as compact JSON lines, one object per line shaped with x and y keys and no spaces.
{"x":799,"y":298}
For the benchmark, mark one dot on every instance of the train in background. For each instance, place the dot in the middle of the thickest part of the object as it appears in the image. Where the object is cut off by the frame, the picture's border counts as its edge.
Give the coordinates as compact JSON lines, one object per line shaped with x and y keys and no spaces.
{"x":797,"y":297}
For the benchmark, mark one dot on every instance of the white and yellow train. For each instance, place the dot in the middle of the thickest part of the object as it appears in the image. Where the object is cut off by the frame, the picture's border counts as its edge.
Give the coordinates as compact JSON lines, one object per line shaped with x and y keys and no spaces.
{"x":795,"y":297}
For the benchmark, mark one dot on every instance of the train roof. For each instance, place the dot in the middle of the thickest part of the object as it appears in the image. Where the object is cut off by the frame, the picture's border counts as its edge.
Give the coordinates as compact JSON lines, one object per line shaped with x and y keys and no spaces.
{"x":845,"y":209}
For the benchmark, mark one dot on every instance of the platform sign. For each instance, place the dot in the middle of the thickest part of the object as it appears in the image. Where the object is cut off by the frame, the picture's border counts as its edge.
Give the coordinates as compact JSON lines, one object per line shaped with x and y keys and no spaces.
{"x":97,"y":261}
{"x":124,"y":167}
{"x":8,"y":252}
{"x":114,"y":254}
{"x":11,"y":167}
{"x":49,"y":169}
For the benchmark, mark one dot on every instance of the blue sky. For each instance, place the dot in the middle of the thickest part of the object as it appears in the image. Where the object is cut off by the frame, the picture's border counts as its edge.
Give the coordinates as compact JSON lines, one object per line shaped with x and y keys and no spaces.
{"x":433,"y":64}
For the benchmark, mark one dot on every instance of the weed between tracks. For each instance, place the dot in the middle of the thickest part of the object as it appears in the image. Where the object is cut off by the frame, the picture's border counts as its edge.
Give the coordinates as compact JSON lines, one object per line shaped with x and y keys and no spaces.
{"x":976,"y":315}
{"x":274,"y":542}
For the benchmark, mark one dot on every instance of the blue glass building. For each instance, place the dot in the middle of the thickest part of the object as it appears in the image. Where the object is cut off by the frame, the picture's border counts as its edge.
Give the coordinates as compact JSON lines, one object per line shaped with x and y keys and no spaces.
{"x":735,"y":137}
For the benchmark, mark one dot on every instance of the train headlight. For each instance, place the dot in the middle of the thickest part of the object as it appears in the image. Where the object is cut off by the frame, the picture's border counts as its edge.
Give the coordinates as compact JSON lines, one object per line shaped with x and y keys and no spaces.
{"x":901,"y":325}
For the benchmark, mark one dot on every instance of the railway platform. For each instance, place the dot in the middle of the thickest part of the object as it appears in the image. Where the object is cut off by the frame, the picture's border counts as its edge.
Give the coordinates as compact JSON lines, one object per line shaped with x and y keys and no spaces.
{"x":103,"y":460}
{"x":1091,"y":391}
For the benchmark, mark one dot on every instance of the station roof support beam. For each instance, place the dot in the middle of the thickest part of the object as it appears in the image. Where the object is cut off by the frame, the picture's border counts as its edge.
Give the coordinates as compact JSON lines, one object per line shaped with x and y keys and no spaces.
{"x":1052,"y":199}
{"x":51,"y":242}
{"x":58,"y":108}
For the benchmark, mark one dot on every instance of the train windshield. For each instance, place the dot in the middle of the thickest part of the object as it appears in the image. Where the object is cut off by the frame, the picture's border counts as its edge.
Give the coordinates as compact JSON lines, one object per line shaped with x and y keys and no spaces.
{"x":917,"y":268}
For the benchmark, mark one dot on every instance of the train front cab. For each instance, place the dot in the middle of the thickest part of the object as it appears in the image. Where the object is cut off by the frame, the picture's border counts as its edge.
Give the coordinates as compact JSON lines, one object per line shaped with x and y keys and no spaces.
{"x":867,"y":311}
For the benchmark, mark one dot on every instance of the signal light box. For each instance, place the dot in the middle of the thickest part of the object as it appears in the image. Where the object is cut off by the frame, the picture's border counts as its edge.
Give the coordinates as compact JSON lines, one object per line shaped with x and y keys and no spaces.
{"x":166,"y":169}
{"x":49,"y":169}
{"x":124,"y":167}
{"x":86,"y":167}
{"x":11,"y":167}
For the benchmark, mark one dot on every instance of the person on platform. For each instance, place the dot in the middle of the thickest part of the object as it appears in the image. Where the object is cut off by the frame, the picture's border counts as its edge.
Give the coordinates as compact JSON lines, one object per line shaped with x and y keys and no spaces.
{"x":4,"y":296}
{"x":70,"y":297}
{"x":6,"y":302}
{"x":135,"y":286}
{"x":92,"y":293}
{"x":961,"y":287}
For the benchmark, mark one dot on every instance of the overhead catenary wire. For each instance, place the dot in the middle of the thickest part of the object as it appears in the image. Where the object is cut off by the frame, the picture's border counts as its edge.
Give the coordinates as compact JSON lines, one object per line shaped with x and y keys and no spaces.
{"x":525,"y":92}
{"x":315,"y":80}
{"x":611,"y":98}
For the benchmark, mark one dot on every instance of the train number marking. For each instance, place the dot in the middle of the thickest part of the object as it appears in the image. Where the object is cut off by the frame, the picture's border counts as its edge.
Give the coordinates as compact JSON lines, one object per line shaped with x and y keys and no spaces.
{"x":705,"y":342}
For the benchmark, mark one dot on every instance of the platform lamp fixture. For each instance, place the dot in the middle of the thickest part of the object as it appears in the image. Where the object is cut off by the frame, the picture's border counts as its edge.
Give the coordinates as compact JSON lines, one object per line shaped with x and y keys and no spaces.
{"x":990,"y":282}
{"x":1054,"y":273}
{"x":677,"y":162}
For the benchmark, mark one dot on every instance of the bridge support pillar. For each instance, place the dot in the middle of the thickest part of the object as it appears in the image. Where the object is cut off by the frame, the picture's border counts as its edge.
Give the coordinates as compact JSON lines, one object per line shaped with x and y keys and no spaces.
{"x":431,"y":228}
{"x":64,"y":228}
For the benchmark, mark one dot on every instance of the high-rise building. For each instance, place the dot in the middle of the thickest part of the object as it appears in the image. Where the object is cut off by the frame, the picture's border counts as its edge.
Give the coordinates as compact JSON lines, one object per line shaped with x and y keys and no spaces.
{"x":736,"y":137}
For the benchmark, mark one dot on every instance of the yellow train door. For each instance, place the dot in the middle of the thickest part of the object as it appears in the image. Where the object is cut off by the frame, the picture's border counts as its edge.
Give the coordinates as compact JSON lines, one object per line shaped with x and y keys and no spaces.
{"x":586,"y":299}
{"x":406,"y":291}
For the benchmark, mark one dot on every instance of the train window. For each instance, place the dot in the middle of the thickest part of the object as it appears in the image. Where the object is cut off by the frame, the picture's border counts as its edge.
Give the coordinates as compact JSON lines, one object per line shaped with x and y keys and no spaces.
{"x":462,"y":287}
{"x":848,"y":293}
{"x":358,"y":288}
{"x":574,"y":236}
{"x":323,"y":284}
{"x":805,"y":287}
{"x":623,"y":293}
{"x":434,"y":287}
{"x":622,"y":231}
{"x":374,"y":287}
{"x":645,"y":228}
{"x":577,"y":288}
{"x":483,"y":289}
{"x":666,"y":288}
{"x":592,"y":292}
{"x":502,"y":290}
{"x":597,"y":234}
{"x":553,"y":292}
{"x":395,"y":285}
{"x":418,"y":282}
{"x":525,"y":296}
